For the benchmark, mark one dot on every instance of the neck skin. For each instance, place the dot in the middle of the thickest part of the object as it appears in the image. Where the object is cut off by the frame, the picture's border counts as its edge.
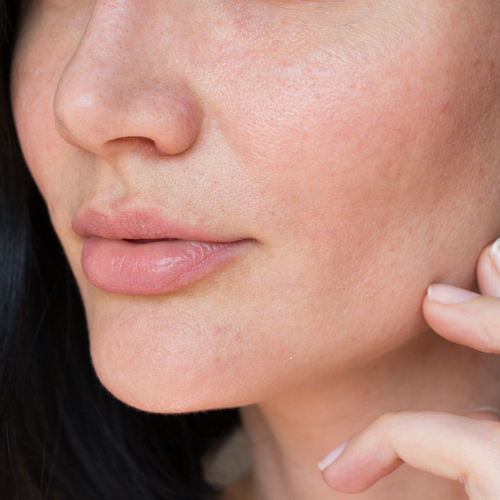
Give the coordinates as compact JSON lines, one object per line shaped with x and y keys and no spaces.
{"x":289,"y":435}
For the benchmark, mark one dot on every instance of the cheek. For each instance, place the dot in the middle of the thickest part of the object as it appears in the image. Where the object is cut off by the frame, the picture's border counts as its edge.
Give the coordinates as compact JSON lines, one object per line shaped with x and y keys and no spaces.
{"x":50,"y":160}
{"x":52,"y":163}
{"x":35,"y":123}
{"x":42,"y":52}
{"x":382,"y":139}
{"x":363,"y":165}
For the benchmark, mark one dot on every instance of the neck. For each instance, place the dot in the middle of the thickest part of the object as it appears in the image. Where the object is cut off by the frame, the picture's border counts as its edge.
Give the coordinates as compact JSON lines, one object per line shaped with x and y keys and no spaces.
{"x":290,"y":434}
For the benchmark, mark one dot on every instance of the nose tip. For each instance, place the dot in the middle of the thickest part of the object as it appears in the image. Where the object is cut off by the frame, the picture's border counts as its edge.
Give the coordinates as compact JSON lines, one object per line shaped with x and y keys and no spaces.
{"x":115,"y":92}
{"x":93,"y":116}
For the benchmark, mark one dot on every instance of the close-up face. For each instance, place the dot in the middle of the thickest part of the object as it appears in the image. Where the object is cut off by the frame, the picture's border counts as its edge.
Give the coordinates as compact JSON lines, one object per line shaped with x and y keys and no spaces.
{"x":305,"y":168}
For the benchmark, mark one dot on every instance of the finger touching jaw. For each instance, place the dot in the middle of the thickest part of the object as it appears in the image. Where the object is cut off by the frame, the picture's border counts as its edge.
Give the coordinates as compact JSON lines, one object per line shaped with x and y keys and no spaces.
{"x":464,"y":316}
{"x":488,"y":270}
{"x":473,"y":322}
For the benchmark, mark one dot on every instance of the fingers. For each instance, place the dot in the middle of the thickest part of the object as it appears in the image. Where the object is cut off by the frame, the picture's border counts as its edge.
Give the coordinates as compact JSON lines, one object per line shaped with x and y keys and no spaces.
{"x":488,"y":270}
{"x":486,"y":413}
{"x":465,"y":317}
{"x":457,"y":448}
{"x":474,"y":323}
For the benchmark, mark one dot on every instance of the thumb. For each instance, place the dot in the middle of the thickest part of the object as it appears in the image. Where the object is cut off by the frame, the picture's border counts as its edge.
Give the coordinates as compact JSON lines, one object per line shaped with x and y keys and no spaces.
{"x":488,"y":270}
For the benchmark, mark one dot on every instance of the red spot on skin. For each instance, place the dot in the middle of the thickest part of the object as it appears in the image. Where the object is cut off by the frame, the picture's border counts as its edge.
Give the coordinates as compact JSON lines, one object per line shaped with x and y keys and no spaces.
{"x":445,"y":105}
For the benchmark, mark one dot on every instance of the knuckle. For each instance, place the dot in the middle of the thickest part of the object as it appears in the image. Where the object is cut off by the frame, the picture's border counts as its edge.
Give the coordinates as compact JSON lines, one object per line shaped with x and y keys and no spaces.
{"x":386,"y":420}
{"x":389,"y":421}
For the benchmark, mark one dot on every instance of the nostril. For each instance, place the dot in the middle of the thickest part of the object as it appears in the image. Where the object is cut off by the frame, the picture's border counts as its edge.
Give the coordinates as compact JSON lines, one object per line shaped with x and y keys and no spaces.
{"x":108,"y":103}
{"x":144,"y":146}
{"x":152,"y":121}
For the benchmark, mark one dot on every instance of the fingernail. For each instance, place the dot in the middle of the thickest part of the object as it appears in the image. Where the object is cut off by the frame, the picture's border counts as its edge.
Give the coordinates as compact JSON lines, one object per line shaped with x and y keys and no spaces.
{"x":332,"y":456}
{"x":447,"y":294}
{"x":495,"y":254}
{"x":488,"y":409}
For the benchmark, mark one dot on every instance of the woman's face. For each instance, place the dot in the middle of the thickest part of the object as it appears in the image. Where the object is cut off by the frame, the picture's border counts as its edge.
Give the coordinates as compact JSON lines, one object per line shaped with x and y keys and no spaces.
{"x":325,"y":160}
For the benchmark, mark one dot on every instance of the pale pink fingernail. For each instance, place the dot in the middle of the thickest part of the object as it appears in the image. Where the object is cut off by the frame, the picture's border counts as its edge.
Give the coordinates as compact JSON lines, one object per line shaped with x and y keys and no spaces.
{"x":332,"y":456}
{"x":488,"y":409}
{"x":495,"y":254}
{"x":447,"y":294}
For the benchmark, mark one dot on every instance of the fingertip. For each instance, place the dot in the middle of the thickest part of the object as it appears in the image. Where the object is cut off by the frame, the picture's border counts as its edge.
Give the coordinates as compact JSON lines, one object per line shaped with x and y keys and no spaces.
{"x":331,"y":457}
{"x":347,"y":478}
{"x":457,"y":314}
{"x":488,"y":270}
{"x":342,"y":471}
{"x":359,"y":468}
{"x":494,"y":254}
{"x":488,"y":413}
{"x":447,"y":294}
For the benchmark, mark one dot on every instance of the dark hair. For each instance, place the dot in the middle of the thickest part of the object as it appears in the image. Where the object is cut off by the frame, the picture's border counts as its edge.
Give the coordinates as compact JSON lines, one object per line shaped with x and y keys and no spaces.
{"x":62,"y":435}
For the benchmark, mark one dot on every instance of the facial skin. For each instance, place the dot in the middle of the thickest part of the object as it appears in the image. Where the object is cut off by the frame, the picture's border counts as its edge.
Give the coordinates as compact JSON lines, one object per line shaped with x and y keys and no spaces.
{"x":356,"y":144}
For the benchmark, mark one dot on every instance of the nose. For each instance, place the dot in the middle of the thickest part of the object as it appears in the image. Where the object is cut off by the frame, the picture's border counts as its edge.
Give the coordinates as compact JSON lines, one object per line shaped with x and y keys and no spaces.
{"x":120,"y":87}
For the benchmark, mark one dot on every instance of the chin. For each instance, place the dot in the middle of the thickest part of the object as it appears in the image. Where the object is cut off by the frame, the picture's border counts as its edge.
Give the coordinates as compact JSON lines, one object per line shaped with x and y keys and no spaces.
{"x":169,"y":377}
{"x":148,"y":391}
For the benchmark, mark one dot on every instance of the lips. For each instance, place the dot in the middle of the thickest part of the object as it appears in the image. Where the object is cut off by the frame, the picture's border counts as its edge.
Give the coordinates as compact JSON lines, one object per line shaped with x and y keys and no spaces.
{"x":141,"y":253}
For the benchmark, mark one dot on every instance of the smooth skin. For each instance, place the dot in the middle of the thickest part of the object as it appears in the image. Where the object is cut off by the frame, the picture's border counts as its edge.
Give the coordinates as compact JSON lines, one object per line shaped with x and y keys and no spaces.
{"x":355,"y":143}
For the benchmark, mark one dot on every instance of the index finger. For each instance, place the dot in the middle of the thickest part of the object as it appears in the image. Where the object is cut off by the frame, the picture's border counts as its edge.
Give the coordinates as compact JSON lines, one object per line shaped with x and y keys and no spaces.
{"x":474,"y":322}
{"x":488,"y":270}
{"x":457,"y":448}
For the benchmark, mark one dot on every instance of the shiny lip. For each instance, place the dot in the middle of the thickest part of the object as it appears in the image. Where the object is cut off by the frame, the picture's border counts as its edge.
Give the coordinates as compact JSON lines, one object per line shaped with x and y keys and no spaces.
{"x":140,"y":225}
{"x":154,"y":267}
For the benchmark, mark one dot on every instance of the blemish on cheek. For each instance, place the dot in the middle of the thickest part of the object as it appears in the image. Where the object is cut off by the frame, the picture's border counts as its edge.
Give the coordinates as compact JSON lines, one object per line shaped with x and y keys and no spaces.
{"x":445,"y":104}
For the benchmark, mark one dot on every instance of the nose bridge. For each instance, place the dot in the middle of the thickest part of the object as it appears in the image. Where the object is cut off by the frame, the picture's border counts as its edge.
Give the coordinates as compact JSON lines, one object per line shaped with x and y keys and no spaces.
{"x":123,"y":83}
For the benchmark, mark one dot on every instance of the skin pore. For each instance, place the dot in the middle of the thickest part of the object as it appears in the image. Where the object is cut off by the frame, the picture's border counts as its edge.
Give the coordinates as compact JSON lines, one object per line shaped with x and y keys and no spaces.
{"x":353,"y":144}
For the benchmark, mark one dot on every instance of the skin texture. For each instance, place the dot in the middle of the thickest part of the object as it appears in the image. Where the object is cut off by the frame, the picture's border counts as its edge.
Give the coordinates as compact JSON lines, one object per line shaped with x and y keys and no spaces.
{"x":355,"y":143}
{"x":463,"y":449}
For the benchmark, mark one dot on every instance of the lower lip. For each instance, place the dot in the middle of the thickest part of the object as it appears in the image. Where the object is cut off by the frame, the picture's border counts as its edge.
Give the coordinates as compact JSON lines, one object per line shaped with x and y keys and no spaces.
{"x":150,"y":268}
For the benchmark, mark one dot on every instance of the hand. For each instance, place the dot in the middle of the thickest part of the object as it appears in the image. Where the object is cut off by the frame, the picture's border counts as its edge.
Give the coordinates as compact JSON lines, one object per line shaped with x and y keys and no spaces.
{"x":465,"y":449}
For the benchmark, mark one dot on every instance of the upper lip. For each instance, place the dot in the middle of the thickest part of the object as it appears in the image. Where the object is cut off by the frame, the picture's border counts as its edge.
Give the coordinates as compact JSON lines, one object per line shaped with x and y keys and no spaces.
{"x":139,"y":225}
